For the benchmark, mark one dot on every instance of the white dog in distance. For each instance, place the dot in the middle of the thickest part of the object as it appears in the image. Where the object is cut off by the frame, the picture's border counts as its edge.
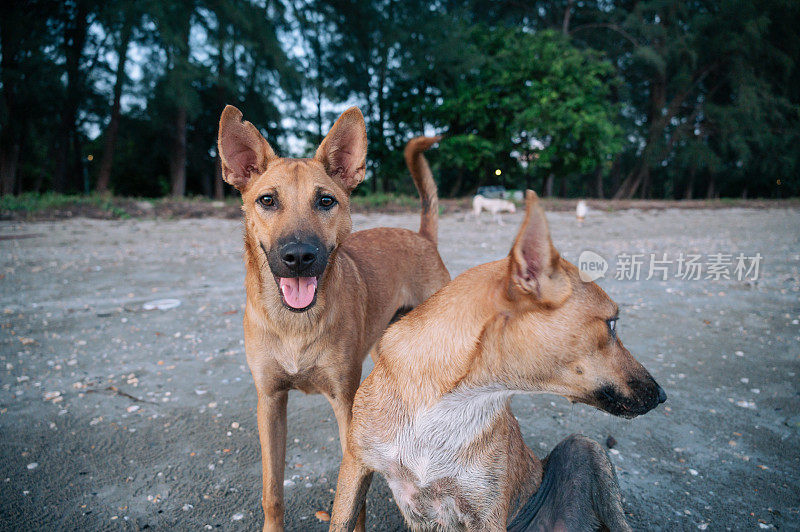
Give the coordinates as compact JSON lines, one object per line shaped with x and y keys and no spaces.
{"x":493,"y":205}
{"x":581,"y":211}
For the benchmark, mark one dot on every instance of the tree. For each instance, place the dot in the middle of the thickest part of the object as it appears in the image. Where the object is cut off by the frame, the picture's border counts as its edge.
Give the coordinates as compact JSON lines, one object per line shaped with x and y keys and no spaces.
{"x":174,"y":21}
{"x":540,"y":103}
{"x":655,"y":98}
{"x":123,"y":22}
{"x":323,"y":82}
{"x":74,"y":24}
{"x":686,"y":68}
{"x":12,"y":31}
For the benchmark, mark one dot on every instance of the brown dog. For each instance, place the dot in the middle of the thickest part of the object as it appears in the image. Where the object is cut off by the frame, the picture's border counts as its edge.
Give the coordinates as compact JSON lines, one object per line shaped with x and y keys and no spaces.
{"x":434,"y":418}
{"x":318,"y":297}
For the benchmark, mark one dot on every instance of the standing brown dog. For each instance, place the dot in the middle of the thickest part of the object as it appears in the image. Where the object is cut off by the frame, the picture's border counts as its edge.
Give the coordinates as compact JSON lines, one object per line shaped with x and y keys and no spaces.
{"x":318,"y":297}
{"x":434,"y":415}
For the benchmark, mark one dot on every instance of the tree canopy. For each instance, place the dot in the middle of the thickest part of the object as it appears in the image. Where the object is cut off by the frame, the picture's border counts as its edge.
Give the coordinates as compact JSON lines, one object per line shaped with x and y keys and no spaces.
{"x":636,"y":98}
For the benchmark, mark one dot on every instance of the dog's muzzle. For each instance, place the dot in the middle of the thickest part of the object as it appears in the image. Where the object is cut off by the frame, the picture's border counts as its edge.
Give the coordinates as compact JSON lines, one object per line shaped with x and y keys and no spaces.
{"x":297,"y":263}
{"x":645,"y":395}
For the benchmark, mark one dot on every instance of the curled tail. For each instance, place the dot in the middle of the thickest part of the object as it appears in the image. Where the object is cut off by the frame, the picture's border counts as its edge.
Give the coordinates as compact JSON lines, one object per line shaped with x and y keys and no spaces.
{"x":423,"y":179}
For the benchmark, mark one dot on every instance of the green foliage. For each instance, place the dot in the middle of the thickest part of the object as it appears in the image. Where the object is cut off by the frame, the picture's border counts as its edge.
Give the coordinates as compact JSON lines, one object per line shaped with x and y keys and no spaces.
{"x":469,"y":151}
{"x":536,"y":103}
{"x":33,"y":203}
{"x":655,"y":98}
{"x":383,"y":200}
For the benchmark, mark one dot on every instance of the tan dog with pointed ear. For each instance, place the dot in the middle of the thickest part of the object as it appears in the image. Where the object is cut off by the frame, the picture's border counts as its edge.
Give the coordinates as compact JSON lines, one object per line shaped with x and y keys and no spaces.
{"x":434,"y":416}
{"x":318,"y":297}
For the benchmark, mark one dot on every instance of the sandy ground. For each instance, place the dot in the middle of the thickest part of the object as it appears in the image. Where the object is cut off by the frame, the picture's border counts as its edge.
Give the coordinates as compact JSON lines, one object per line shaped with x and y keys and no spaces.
{"x":114,"y":417}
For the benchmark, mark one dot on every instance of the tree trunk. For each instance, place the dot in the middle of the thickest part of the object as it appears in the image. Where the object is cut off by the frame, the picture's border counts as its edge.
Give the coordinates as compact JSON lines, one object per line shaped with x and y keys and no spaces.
{"x":9,"y":64}
{"x":386,"y":184}
{"x":647,"y":183}
{"x":9,"y":157}
{"x":455,"y":190}
{"x":548,"y":185}
{"x":110,"y":140}
{"x":598,"y":182}
{"x":207,"y":184}
{"x":219,"y":183}
{"x":615,"y":174}
{"x":656,"y":123}
{"x":318,"y":84}
{"x":711,"y":191}
{"x":177,"y":158}
{"x":69,"y":169}
{"x":690,"y":183}
{"x":371,"y":160}
{"x":219,"y":188}
{"x":567,"y":16}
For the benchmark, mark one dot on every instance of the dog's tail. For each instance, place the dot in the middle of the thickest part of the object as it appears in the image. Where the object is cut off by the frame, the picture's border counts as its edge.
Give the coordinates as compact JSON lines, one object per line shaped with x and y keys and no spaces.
{"x":423,"y":179}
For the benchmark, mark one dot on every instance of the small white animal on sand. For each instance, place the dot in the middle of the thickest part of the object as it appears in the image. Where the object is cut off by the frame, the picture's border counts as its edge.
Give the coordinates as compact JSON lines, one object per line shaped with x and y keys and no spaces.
{"x":581,"y":210}
{"x":494,"y":206}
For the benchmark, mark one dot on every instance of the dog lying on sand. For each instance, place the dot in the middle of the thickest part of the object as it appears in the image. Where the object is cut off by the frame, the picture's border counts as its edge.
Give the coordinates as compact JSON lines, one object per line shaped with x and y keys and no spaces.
{"x":434,"y":416}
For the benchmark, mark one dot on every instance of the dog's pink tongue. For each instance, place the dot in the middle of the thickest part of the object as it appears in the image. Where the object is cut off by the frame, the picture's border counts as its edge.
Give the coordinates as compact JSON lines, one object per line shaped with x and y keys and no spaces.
{"x":298,"y":292}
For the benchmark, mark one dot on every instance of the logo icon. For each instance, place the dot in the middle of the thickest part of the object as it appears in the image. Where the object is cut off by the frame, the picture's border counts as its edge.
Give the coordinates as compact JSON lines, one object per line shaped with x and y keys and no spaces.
{"x":592,"y":266}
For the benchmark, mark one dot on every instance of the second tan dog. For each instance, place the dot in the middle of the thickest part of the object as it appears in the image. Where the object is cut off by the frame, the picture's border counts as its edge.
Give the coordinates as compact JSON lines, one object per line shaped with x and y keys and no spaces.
{"x":318,"y":297}
{"x":434,"y":415}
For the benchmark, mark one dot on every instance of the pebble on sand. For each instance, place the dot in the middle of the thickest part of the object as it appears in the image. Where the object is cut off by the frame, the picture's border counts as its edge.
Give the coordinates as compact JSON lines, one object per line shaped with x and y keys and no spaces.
{"x":237,"y":517}
{"x":33,"y":465}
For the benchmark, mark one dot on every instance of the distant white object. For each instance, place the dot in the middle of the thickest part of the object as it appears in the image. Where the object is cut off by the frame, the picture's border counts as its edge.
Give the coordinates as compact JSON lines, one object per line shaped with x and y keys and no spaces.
{"x":581,"y":210}
{"x":493,"y":205}
{"x":162,"y":304}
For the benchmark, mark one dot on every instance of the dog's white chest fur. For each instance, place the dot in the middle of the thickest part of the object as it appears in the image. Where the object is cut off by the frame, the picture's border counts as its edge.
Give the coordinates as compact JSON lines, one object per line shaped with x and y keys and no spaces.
{"x":428,"y":466}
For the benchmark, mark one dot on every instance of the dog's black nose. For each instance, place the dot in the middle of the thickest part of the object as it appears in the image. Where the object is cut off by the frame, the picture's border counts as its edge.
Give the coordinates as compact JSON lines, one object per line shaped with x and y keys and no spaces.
{"x":662,"y":395}
{"x":298,"y":257}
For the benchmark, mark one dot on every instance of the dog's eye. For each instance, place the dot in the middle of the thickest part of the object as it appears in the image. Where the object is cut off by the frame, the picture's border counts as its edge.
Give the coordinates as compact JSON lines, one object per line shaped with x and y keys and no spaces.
{"x":612,"y":326}
{"x":326,"y":202}
{"x":267,"y":200}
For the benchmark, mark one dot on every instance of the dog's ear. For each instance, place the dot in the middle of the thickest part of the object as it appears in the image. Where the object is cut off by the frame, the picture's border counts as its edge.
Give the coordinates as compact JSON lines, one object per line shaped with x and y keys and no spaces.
{"x":343,"y":151}
{"x":534,"y":263}
{"x":243,"y":151}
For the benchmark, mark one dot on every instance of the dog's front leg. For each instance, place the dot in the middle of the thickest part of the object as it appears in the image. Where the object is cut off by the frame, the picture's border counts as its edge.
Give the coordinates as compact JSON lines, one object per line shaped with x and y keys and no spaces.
{"x":272,"y":434}
{"x":349,"y":505}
